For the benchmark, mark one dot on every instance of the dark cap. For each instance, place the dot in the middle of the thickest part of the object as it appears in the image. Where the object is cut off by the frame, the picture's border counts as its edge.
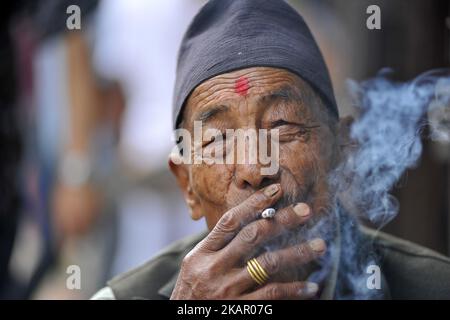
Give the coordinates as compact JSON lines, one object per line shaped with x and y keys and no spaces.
{"x":228,"y":35}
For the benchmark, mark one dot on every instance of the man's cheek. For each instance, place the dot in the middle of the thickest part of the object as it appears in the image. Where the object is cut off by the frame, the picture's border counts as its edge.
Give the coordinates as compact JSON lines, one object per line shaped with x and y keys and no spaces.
{"x":308,"y":165}
{"x":299,"y":168}
{"x":298,"y":160}
{"x":211,"y":183}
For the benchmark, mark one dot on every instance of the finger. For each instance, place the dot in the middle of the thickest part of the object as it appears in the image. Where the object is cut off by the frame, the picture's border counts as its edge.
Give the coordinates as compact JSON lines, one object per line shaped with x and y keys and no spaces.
{"x":275,"y":262}
{"x":284,"y":291}
{"x":257,"y":232}
{"x":234,"y":219}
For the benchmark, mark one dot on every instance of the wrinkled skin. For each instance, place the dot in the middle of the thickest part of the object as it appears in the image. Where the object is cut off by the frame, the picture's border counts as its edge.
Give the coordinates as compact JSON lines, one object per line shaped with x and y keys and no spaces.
{"x":231,"y":196}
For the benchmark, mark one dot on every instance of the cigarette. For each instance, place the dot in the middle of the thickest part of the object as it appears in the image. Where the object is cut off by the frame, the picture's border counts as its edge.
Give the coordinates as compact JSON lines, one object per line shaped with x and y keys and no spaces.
{"x":268,"y":213}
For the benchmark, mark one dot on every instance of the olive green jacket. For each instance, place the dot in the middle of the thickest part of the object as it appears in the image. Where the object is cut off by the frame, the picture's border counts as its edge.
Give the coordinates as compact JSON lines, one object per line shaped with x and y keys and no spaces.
{"x":409,"y":271}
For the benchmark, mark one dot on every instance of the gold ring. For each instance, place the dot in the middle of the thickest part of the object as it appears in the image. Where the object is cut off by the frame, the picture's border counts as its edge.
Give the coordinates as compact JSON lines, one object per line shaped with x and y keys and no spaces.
{"x":257,"y":272}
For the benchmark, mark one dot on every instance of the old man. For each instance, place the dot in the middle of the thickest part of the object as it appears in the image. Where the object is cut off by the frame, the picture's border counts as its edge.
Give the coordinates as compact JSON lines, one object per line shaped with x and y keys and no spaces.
{"x":254,"y":65}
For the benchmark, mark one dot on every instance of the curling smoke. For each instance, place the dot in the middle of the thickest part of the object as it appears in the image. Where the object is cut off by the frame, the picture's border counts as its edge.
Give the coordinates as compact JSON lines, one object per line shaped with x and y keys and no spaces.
{"x":439,"y":112}
{"x":387,"y":137}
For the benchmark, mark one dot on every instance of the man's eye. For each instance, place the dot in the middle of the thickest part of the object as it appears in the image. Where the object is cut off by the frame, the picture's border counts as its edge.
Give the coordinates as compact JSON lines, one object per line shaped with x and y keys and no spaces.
{"x":301,"y":131}
{"x":279,"y":123}
{"x":213,"y":139}
{"x":208,"y":142}
{"x":289,"y":131}
{"x":289,"y":127}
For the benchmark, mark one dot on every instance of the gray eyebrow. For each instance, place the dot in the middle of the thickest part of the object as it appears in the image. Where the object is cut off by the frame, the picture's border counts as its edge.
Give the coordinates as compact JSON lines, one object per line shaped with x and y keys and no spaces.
{"x":210,"y":112}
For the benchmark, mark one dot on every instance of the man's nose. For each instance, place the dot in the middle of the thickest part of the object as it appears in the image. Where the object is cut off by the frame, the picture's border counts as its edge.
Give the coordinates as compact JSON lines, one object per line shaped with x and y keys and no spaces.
{"x":249,"y":175}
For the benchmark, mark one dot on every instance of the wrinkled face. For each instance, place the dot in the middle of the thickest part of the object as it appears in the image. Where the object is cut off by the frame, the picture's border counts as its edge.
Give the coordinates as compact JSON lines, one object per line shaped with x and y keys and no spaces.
{"x":259,"y":98}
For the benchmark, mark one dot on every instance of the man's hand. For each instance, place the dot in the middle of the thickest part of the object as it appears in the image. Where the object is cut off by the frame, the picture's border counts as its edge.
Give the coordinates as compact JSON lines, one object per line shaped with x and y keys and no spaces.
{"x":215,"y":268}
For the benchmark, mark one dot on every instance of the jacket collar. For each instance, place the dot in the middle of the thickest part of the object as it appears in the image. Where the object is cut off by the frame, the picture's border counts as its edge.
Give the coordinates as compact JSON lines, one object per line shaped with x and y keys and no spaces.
{"x":167,"y":289}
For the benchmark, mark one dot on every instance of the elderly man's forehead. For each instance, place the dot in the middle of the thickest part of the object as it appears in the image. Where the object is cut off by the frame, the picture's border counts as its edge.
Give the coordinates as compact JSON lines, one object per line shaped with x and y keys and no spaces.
{"x":260,"y":82}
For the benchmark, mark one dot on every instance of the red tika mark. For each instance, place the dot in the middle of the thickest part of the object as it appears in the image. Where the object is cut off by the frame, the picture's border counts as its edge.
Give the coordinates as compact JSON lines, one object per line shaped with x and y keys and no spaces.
{"x":241,"y":86}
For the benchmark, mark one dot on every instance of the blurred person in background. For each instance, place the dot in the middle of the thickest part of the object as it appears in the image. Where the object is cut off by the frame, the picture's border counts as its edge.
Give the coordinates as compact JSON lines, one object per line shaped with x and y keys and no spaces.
{"x":96,"y":182}
{"x":46,"y":244}
{"x":136,"y":44}
{"x":110,"y":161}
{"x":11,"y":154}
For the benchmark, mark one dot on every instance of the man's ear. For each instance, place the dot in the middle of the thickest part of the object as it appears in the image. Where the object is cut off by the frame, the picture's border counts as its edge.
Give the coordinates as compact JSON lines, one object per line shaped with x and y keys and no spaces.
{"x":181,"y":173}
{"x":345,"y":143}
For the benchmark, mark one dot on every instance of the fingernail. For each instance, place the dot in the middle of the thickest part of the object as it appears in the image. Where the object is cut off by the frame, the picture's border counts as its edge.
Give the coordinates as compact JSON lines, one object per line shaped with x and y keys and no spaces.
{"x":302,"y":210}
{"x":311,"y":288}
{"x":271,"y":190}
{"x":317,"y":245}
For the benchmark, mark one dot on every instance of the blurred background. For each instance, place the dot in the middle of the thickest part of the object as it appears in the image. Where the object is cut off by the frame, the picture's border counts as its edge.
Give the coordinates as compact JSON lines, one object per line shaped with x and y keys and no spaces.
{"x":85,"y":129}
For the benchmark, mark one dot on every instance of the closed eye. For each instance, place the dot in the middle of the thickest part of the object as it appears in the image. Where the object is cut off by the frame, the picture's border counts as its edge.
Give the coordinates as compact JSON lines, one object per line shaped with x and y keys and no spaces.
{"x":214,"y":139}
{"x":278,"y":123}
{"x":281,"y":122}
